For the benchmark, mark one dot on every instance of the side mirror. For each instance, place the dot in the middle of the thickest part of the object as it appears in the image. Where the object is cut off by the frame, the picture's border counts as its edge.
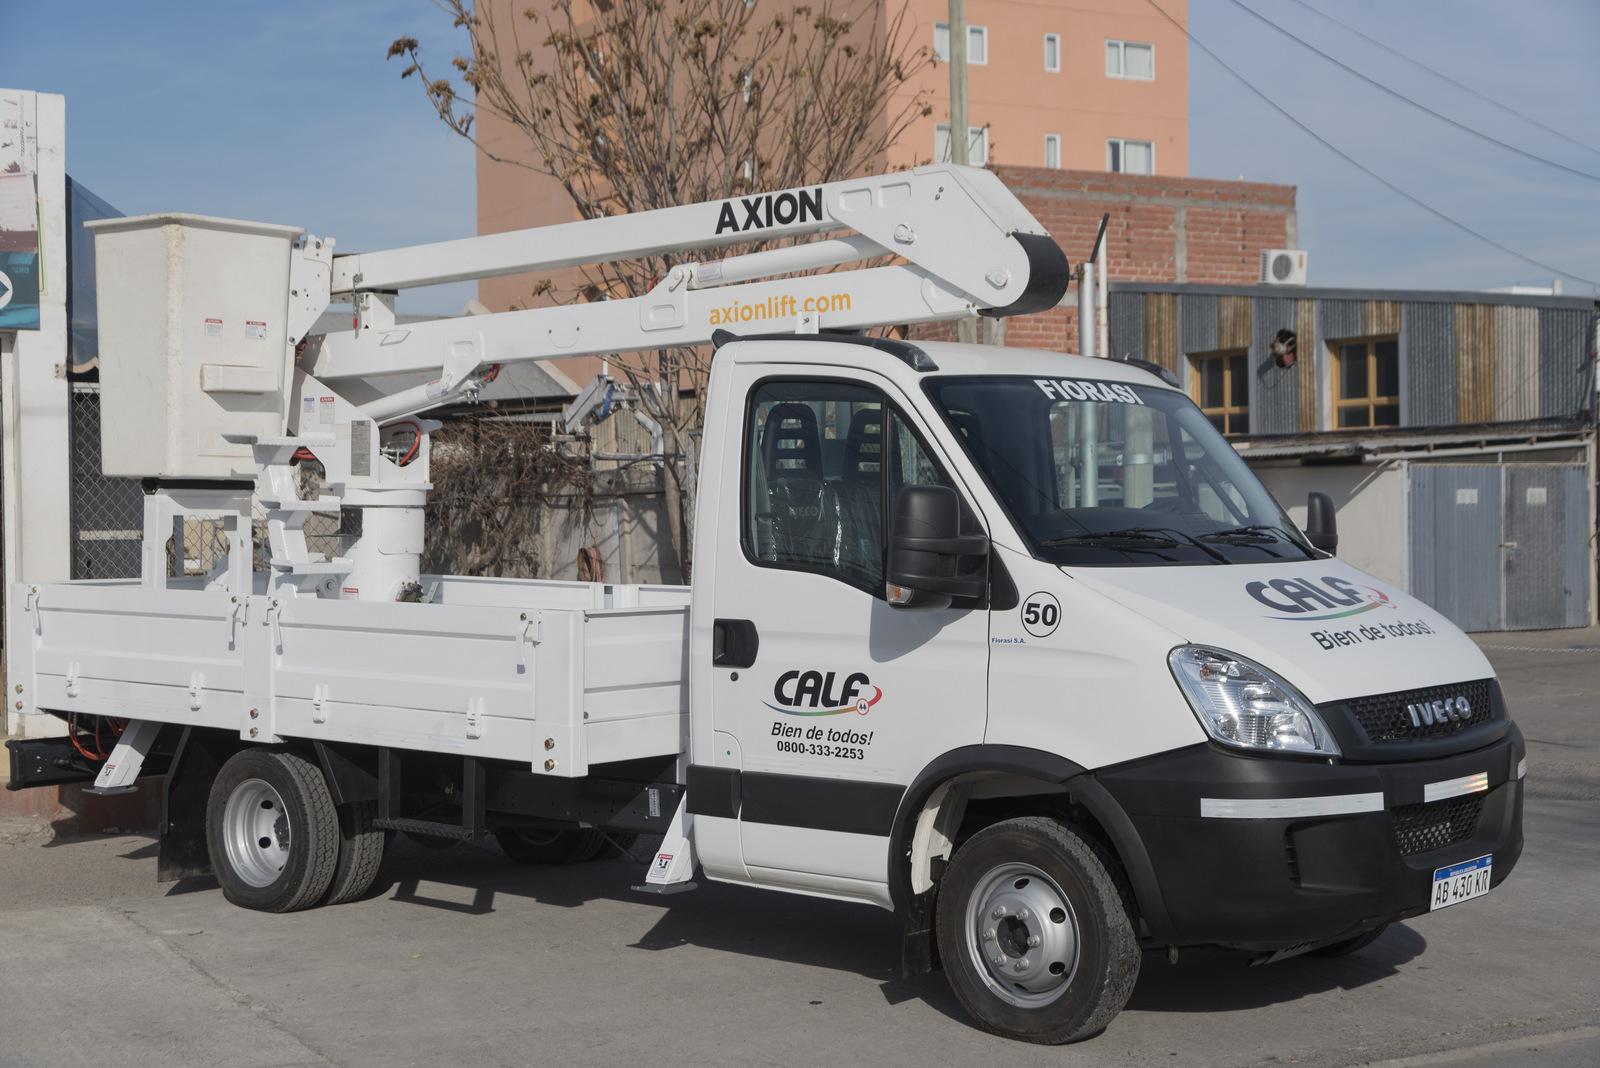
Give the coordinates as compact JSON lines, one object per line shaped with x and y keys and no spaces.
{"x":926,"y":550}
{"x":1322,"y":529}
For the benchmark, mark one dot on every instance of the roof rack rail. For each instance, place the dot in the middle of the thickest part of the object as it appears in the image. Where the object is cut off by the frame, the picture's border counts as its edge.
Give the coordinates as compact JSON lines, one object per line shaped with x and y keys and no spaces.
{"x":907,"y":353}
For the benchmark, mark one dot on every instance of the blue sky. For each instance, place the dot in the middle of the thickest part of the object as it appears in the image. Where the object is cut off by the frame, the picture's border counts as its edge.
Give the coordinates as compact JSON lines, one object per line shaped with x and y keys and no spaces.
{"x":288,"y":112}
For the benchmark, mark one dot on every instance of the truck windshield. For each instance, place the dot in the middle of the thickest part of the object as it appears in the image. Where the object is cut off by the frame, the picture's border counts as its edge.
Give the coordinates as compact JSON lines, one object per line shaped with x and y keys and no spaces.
{"x":1110,"y":474}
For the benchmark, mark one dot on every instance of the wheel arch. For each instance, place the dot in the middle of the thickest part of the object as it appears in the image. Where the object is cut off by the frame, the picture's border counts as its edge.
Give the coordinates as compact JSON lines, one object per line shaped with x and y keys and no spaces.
{"x":932,"y":800}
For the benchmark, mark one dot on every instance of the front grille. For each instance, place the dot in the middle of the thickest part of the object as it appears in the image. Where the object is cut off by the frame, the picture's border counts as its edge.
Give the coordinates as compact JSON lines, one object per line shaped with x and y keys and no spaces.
{"x":1436,"y":824}
{"x":1402,"y":716}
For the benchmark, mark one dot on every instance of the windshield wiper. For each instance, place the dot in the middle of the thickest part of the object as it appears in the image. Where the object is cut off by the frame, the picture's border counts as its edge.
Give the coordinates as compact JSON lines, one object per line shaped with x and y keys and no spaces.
{"x":1258,"y":533}
{"x":1132,"y":538}
{"x":1256,"y":536}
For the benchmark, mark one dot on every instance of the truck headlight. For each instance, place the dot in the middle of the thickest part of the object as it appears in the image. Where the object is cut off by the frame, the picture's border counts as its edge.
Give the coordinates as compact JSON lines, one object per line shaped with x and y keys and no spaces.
{"x":1242,"y":704}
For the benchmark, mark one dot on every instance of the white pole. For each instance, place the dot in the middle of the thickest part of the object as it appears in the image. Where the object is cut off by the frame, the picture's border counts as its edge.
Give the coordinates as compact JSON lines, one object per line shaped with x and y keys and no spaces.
{"x":960,"y":145}
{"x":1087,"y":334}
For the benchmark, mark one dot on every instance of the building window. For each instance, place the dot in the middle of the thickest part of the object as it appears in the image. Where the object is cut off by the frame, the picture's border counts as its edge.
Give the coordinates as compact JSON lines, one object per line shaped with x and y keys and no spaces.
{"x":1130,"y":157}
{"x":1366,"y":376}
{"x":1222,"y":390}
{"x":1127,"y":59}
{"x":977,"y":144}
{"x":1052,"y":52}
{"x":977,"y":44}
{"x":1052,"y":150}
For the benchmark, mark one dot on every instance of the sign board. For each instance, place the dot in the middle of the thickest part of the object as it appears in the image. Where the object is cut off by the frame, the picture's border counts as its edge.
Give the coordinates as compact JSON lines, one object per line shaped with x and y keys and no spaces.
{"x":21,"y":273}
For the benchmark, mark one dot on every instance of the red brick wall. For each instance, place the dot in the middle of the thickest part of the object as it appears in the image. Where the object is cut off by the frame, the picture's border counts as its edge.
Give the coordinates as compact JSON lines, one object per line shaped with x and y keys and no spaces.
{"x":1162,"y":229}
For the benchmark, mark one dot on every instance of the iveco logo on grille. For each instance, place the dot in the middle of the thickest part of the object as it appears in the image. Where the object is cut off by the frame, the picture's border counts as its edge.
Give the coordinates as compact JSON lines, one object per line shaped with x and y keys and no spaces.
{"x":1450,"y":710}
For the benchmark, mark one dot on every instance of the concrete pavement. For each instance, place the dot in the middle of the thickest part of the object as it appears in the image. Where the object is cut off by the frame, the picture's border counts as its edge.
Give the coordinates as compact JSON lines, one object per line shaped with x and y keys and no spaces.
{"x":461,"y":956}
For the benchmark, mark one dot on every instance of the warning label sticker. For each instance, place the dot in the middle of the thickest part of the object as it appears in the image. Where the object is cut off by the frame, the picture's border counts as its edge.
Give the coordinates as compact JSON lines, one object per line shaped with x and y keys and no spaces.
{"x":255,"y":331}
{"x":213,"y":328}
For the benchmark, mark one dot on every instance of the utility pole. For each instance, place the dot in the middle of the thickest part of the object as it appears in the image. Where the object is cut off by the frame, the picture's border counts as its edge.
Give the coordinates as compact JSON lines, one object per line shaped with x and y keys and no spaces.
{"x":960,"y":144}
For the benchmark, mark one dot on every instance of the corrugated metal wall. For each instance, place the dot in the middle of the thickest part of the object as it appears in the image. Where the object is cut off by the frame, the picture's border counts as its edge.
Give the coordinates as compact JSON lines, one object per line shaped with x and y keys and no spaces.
{"x":1455,"y":542}
{"x":1161,"y":329}
{"x":1566,"y":384}
{"x":1463,"y":363}
{"x":1430,"y":364}
{"x":1197,"y":323}
{"x":1233,"y":322}
{"x":1125,"y":324}
{"x":1502,"y":547}
{"x":1381,"y":316}
{"x":1539,"y":593}
{"x":1474,"y":363}
{"x":1342,"y":318}
{"x":1516,"y":363}
{"x":1274,"y":406}
{"x":1307,"y":366}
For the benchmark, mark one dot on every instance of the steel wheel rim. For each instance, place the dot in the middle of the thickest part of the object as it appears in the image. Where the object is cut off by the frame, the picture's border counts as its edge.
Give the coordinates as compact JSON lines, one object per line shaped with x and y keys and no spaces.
{"x":1022,"y":935}
{"x":256,"y":832}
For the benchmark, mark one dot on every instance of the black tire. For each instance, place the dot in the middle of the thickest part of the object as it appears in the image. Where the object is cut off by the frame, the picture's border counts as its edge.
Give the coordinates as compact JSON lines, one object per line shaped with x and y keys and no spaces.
{"x":1053,"y":909}
{"x":360,"y":853}
{"x":1348,"y":946}
{"x":539,"y":845}
{"x":272,"y":831}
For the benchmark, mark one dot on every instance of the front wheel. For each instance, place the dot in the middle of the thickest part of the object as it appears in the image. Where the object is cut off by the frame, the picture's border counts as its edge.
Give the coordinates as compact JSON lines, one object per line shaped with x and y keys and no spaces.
{"x":1034,"y":933}
{"x":272,"y":830}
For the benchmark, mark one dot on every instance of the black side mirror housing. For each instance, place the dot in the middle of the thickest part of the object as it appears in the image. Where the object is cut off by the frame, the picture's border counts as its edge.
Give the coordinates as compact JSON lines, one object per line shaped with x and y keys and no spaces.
{"x":929,"y":557}
{"x":1322,"y":529}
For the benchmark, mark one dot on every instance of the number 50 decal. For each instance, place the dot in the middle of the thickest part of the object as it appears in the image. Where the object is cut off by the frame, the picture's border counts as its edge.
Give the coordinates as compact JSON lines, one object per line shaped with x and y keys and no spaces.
{"x":1041,"y":613}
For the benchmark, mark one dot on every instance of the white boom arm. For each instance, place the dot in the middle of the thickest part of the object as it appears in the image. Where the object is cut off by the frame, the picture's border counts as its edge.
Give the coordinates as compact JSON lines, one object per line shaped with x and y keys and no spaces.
{"x":969,"y":247}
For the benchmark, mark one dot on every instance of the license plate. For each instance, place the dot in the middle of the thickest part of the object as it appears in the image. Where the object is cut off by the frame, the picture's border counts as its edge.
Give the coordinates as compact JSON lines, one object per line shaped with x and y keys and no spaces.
{"x":1461,"y":882}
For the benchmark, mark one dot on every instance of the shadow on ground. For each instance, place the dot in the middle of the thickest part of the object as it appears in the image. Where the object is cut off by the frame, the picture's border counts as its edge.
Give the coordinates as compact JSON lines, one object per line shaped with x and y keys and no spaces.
{"x":835,"y":935}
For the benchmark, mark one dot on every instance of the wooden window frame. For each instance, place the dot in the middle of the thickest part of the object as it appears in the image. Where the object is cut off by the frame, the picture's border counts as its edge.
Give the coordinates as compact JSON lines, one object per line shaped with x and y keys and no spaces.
{"x":1373,"y":400}
{"x":1228,"y":410}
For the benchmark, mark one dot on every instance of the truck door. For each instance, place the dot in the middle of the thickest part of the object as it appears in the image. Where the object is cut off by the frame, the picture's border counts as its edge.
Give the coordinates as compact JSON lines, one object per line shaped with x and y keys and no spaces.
{"x":848,"y":698}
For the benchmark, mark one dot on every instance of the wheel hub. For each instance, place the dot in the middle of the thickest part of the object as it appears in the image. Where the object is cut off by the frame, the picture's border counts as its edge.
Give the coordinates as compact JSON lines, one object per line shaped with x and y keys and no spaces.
{"x":256,"y":832}
{"x":1023,"y":931}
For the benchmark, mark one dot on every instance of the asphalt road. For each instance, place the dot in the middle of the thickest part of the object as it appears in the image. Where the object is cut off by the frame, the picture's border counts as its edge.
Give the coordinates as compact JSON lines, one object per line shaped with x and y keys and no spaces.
{"x":460,"y":956}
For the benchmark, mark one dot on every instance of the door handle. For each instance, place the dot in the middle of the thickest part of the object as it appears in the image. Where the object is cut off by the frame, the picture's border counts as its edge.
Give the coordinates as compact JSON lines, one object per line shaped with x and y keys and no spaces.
{"x":734,"y":643}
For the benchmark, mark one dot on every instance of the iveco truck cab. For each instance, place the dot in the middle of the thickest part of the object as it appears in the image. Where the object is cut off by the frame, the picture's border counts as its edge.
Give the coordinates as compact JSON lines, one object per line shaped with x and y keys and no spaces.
{"x":1016,"y":644}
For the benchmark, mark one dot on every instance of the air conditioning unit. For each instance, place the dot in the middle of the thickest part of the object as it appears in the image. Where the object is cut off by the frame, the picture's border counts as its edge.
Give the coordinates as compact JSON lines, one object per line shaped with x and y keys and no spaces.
{"x":1283,"y":267}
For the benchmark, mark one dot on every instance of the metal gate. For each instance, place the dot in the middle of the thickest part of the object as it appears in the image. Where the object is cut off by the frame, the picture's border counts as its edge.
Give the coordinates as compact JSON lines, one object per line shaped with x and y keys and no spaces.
{"x":1502,"y":546}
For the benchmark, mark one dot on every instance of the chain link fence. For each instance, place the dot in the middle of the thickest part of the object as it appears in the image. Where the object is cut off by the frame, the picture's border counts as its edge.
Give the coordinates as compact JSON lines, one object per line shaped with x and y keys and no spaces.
{"x":107,"y":518}
{"x":108,"y":514}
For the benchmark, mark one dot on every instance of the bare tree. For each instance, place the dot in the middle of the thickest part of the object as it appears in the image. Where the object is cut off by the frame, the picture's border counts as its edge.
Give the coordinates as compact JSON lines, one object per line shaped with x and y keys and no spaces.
{"x":634,"y":105}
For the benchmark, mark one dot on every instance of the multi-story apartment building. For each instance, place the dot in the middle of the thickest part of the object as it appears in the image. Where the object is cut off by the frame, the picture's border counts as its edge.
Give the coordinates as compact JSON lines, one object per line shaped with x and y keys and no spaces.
{"x":1089,"y":85}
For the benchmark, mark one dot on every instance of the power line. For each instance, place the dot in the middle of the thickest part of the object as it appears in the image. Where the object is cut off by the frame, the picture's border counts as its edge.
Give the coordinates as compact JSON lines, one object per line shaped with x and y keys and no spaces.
{"x":1347,"y":68}
{"x":1358,"y":165}
{"x":1447,"y":79}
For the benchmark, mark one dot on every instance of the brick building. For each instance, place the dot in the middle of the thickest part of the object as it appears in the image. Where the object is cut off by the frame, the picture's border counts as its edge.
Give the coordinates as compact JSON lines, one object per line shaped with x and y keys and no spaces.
{"x":1162,"y":229}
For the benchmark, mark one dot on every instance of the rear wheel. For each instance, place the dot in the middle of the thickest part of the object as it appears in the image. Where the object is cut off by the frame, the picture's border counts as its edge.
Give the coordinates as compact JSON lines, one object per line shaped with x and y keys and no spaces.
{"x":1035,"y":933}
{"x":540,"y":845}
{"x":360,"y":853}
{"x":272,"y":831}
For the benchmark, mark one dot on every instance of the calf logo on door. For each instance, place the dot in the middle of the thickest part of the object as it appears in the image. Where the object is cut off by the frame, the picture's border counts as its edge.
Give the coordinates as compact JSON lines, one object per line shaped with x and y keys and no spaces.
{"x":811,"y":693}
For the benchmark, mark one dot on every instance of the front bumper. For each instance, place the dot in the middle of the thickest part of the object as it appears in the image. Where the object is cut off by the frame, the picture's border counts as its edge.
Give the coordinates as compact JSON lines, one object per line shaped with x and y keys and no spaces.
{"x":1267,"y":854}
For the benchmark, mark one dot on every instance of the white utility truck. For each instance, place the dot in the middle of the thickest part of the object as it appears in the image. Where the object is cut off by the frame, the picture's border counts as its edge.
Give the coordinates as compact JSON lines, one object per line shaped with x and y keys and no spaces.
{"x":1007,"y":641}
